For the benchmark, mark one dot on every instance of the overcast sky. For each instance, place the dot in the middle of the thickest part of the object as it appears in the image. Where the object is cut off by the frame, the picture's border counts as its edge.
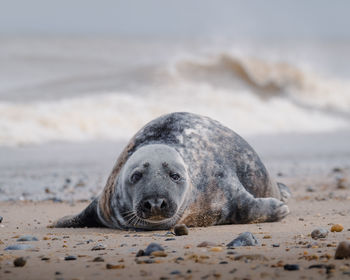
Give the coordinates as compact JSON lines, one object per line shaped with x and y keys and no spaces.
{"x":247,"y":18}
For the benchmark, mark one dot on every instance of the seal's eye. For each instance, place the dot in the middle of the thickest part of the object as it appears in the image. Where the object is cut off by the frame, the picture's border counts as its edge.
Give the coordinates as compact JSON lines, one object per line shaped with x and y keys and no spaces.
{"x":175,"y":177}
{"x":136,"y":177}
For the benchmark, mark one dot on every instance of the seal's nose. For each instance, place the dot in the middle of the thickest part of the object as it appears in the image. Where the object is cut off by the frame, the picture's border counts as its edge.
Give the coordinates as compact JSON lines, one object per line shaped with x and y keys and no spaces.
{"x":155,"y":206}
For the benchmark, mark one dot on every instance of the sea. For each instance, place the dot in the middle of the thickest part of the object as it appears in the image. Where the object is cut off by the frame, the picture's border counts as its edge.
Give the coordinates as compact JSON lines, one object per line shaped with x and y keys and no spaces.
{"x":78,"y":89}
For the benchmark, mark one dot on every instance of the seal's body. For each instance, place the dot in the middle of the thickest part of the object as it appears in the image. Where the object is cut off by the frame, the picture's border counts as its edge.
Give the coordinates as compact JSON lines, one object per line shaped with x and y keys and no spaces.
{"x":185,"y":168}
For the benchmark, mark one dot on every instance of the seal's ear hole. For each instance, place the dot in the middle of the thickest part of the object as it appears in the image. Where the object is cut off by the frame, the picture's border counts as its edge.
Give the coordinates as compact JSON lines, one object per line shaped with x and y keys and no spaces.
{"x":135,"y":177}
{"x":175,"y":176}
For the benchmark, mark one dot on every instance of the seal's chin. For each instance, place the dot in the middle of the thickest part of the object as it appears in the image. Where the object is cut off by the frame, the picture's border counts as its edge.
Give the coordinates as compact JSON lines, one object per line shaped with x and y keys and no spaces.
{"x":158,"y":219}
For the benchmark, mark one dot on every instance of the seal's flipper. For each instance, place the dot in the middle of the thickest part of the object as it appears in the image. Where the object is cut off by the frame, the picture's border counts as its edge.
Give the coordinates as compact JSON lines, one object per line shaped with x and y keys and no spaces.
{"x":285,"y":192}
{"x":245,"y":208}
{"x":87,"y":218}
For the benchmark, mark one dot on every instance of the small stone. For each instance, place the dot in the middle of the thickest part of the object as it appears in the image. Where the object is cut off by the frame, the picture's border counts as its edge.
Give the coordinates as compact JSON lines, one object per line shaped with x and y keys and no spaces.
{"x":58,"y":273}
{"x":310,"y":189}
{"x":206,"y":244}
{"x":253,"y":257}
{"x":98,"y":247}
{"x":70,"y":258}
{"x":343,"y":250}
{"x":19,"y":262}
{"x":115,"y":266}
{"x":275,"y":245}
{"x":153,"y":247}
{"x":291,"y":267}
{"x":319,"y":233}
{"x":231,"y":253}
{"x":267,"y":237}
{"x":337,"y":228}
{"x":175,"y":272}
{"x":223,"y":262}
{"x":19,"y":247}
{"x":337,"y":169}
{"x":181,"y":230}
{"x":45,"y":259}
{"x":216,"y":249}
{"x":140,"y":253}
{"x":159,"y":254}
{"x":244,"y":239}
{"x":27,"y":238}
{"x":170,"y":239}
{"x":1,"y":218}
{"x":328,"y":267}
{"x":342,"y":183}
{"x":98,"y":259}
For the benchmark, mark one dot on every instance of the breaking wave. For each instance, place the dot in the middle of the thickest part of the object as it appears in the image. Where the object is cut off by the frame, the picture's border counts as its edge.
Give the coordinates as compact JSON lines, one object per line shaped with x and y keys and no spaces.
{"x":249,"y":95}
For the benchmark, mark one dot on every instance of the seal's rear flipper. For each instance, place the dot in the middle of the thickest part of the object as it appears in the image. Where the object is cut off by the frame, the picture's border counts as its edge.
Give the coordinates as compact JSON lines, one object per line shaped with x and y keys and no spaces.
{"x":285,"y":192}
{"x":87,"y":218}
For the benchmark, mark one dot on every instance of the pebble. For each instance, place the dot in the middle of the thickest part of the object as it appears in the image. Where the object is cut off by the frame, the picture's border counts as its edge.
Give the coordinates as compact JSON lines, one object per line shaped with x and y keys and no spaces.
{"x":310,"y":189}
{"x":253,"y":257}
{"x":113,"y":266}
{"x":98,"y":259}
{"x":291,"y":267}
{"x":337,"y":228}
{"x":244,"y":239}
{"x":275,"y":245}
{"x":140,"y":253}
{"x":98,"y":247}
{"x":206,"y":244}
{"x":153,"y":247}
{"x":19,"y":247}
{"x":175,"y":272}
{"x":27,"y":238}
{"x":19,"y":262}
{"x":319,"y":233}
{"x":159,"y":254}
{"x":170,"y":239}
{"x":1,"y":218}
{"x":328,"y":267}
{"x":181,"y":229}
{"x":343,"y":250}
{"x":70,"y":258}
{"x":342,"y":183}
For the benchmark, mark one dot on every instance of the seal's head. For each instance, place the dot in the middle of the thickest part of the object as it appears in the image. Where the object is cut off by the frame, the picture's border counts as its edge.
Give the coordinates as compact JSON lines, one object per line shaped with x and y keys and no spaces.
{"x":153,"y":184}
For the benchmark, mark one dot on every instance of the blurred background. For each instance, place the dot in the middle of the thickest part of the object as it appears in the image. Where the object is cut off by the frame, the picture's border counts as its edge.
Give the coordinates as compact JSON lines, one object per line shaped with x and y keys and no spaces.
{"x":79,"y":78}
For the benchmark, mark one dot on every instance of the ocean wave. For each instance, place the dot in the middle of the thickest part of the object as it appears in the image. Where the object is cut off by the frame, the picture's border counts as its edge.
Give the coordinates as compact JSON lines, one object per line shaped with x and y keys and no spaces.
{"x":266,"y":79}
{"x":249,"y":95}
{"x":120,"y":115}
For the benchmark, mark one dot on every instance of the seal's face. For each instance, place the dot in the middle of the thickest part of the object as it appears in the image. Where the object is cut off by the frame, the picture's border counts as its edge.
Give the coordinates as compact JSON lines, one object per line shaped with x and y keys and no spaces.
{"x":154,"y":182}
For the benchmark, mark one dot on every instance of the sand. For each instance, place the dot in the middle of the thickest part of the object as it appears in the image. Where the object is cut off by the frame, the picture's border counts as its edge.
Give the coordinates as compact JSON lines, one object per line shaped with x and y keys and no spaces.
{"x":326,"y":205}
{"x":32,"y":178}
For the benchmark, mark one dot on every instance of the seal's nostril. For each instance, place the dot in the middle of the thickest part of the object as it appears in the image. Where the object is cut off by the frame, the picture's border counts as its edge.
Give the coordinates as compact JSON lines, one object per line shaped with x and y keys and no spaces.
{"x":147,"y":205}
{"x":163,"y":205}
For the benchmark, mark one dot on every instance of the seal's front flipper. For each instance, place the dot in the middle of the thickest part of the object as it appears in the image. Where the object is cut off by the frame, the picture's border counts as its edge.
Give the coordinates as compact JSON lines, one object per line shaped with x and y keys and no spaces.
{"x":248,"y":209}
{"x":87,"y":218}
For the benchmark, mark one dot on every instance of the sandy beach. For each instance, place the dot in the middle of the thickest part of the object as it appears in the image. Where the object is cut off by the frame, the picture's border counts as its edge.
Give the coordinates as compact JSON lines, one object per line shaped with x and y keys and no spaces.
{"x":319,"y":177}
{"x":326,"y":206}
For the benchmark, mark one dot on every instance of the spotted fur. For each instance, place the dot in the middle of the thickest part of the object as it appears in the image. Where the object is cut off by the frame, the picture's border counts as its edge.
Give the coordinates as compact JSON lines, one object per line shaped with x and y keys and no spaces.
{"x":228,"y":183}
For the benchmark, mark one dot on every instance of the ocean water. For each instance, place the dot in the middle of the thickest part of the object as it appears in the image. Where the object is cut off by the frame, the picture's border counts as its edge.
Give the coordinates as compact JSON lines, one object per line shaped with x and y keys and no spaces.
{"x":88,"y":89}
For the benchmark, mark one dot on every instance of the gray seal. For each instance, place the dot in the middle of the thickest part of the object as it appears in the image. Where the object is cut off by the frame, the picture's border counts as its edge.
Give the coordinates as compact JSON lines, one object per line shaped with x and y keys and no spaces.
{"x":185,"y":168}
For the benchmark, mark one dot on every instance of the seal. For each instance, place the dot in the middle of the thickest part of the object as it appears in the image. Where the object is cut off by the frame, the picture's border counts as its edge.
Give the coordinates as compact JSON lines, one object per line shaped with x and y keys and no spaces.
{"x":185,"y":168}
